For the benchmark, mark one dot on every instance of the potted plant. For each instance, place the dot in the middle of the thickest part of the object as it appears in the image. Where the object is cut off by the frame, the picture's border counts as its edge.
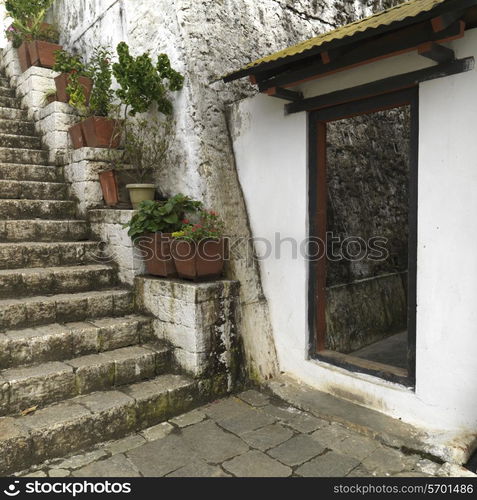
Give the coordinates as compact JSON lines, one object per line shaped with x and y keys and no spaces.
{"x":73,"y":84}
{"x":35,"y":40}
{"x":198,"y":250}
{"x":151,"y":229}
{"x":97,"y":130}
{"x":146,"y":143}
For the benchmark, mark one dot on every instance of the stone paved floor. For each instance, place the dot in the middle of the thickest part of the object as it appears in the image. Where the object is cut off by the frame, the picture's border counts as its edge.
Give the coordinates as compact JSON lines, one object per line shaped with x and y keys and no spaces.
{"x":246,"y":435}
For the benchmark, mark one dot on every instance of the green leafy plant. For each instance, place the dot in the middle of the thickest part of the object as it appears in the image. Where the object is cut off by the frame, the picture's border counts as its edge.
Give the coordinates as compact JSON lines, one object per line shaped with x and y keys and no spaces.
{"x":210,"y":227}
{"x":99,"y":70}
{"x":146,"y":143}
{"x":48,"y":95}
{"x":161,"y":216}
{"x":65,"y":62}
{"x":74,"y":66}
{"x":28,"y":21}
{"x":142,"y":82}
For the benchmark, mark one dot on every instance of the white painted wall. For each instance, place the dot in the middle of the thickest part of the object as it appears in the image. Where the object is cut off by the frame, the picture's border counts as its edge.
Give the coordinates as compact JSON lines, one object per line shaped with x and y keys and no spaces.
{"x":271,"y":158}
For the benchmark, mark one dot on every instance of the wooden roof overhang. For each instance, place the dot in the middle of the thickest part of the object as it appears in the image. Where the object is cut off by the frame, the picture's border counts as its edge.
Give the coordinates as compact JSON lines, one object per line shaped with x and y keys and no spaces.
{"x":418,"y":25}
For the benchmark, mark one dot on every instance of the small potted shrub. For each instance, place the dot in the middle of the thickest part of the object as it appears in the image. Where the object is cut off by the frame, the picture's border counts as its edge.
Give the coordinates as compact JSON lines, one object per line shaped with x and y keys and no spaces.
{"x":35,"y":40}
{"x":97,"y":130}
{"x":73,"y":85}
{"x":146,"y":143}
{"x":151,"y":229}
{"x":198,"y":249}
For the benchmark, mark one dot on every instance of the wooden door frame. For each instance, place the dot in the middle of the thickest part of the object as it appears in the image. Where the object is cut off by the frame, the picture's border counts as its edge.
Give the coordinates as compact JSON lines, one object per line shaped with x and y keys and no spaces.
{"x":318,"y":200}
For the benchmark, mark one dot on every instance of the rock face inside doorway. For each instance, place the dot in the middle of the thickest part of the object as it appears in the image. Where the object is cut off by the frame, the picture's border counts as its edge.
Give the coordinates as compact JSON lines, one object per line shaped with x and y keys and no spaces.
{"x":368,"y":179}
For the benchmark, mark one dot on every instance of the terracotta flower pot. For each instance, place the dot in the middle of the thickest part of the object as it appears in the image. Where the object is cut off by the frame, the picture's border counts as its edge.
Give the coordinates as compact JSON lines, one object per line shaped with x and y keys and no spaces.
{"x":77,"y":136}
{"x":101,"y":132}
{"x":61,"y":83}
{"x":24,"y":56}
{"x":43,"y":53}
{"x":140,"y":192}
{"x":199,"y":261}
{"x":109,"y":186}
{"x":155,"y":250}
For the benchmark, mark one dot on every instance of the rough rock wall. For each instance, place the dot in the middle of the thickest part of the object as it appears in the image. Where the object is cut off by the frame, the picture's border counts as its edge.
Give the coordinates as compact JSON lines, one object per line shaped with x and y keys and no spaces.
{"x":206,"y":39}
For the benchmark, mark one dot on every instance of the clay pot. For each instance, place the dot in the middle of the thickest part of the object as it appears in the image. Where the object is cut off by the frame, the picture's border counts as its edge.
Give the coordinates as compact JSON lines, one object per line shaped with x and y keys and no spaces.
{"x":24,"y":56}
{"x":43,"y":53}
{"x":199,"y":261}
{"x":77,"y":136}
{"x":109,"y":187}
{"x":155,"y":249}
{"x":101,"y":132}
{"x":61,"y":83}
{"x":140,"y":192}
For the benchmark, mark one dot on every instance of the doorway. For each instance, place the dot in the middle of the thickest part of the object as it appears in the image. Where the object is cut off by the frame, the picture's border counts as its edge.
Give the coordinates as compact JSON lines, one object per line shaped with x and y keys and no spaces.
{"x":363,"y":213}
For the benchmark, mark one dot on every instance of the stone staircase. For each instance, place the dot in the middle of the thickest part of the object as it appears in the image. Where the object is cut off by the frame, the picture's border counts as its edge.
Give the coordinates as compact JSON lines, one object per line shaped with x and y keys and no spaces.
{"x":77,"y":365}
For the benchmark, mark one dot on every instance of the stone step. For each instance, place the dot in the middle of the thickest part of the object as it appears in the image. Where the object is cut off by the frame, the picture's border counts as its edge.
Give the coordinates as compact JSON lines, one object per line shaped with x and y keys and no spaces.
{"x":43,"y":173}
{"x":62,"y":308}
{"x":43,"y":230}
{"x":37,"y":209}
{"x":12,"y":113}
{"x":55,"y":381}
{"x":57,"y":342}
{"x":44,"y":254}
{"x":32,"y":190}
{"x":17,"y":127}
{"x":19,"y":141}
{"x":9,"y":102}
{"x":26,"y":282}
{"x":79,"y":423}
{"x":4,"y":81}
{"x":6,"y":91}
{"x":23,"y":155}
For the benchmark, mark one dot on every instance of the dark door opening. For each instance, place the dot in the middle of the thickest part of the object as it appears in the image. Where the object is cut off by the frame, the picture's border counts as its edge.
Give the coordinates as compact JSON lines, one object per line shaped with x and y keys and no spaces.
{"x":363,"y":208}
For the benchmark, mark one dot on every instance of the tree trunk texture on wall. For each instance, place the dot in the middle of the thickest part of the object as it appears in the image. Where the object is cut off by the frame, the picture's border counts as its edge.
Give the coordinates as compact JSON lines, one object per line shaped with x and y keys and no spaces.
{"x":205,"y":40}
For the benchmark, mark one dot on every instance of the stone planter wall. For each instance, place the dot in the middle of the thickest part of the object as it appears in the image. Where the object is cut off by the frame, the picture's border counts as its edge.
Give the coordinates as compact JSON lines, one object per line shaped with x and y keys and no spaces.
{"x":107,"y":227}
{"x":201,"y":321}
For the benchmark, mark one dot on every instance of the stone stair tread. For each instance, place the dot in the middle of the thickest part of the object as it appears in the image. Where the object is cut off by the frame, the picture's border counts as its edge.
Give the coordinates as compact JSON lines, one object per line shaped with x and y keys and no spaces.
{"x":25,"y":190}
{"x":36,"y":209}
{"x":45,"y":230}
{"x":54,"y":381}
{"x":30,"y":172}
{"x":57,"y":342}
{"x":29,"y":281}
{"x":39,"y":310}
{"x":78,"y":423}
{"x":16,"y":255}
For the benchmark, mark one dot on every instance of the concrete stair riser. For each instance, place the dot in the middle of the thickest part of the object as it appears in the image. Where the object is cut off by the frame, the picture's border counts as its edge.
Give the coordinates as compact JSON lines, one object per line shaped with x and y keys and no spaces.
{"x":33,"y":254}
{"x":41,"y":385}
{"x":63,"y":308}
{"x":30,"y":190}
{"x":17,"y":127}
{"x":34,"y":281}
{"x":36,"y":209}
{"x":40,"y":173}
{"x":43,"y":230}
{"x":23,"y":155}
{"x":19,"y":141}
{"x":12,"y":114}
{"x":9,"y":102}
{"x":5,"y":90}
{"x":59,"y":342}
{"x":78,"y":423}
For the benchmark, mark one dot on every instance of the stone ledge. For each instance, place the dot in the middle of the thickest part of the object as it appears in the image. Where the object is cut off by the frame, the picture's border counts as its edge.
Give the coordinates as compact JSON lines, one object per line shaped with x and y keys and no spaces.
{"x":110,"y":216}
{"x":95,"y":154}
{"x":58,"y":107}
{"x":455,"y":448}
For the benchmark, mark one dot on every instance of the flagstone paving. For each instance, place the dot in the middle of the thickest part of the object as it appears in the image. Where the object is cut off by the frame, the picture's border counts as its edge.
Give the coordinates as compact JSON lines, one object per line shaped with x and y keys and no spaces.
{"x":248,"y":435}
